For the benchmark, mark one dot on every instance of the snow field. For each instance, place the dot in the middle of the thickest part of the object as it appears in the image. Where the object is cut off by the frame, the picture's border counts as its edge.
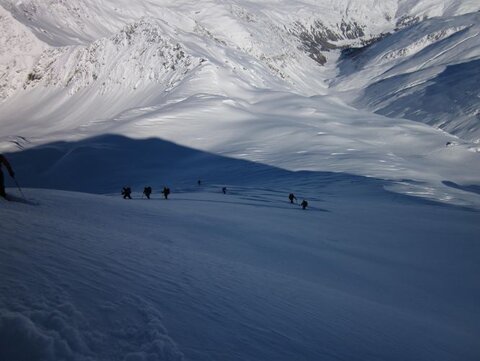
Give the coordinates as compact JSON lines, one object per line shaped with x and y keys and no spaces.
{"x":383,"y":265}
{"x":362,"y":273}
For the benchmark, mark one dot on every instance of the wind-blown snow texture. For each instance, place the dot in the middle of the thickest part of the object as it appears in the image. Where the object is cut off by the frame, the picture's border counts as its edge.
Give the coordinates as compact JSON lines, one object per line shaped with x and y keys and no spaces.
{"x":265,"y":98}
{"x":361,"y":274}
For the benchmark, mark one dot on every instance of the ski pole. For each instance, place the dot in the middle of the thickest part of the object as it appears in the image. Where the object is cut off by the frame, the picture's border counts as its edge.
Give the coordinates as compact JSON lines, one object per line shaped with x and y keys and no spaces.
{"x":19,"y":189}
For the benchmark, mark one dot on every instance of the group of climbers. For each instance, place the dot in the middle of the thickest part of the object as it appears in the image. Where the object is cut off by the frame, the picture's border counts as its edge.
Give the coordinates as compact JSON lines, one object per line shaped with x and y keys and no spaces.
{"x":126,"y":191}
{"x":292,"y":197}
{"x":147,"y":191}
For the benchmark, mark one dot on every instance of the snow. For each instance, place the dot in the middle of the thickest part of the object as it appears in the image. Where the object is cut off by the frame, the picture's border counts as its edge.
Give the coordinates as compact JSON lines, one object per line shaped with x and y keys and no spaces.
{"x":426,"y":73}
{"x":246,"y":44}
{"x":257,"y":97}
{"x":362,"y":273}
{"x":17,"y":54}
{"x":309,"y":134}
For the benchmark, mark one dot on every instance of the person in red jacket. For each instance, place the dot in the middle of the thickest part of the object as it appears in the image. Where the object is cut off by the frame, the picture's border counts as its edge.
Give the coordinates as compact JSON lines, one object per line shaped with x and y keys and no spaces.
{"x":4,"y":161}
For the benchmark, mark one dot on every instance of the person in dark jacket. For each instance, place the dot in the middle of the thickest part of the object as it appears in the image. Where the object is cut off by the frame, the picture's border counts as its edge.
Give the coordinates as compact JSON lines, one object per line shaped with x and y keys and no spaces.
{"x":166,"y":192}
{"x":304,"y":204}
{"x":4,"y":161}
{"x":224,"y":190}
{"x":291,"y":196}
{"x":147,"y":191}
{"x":126,"y":193}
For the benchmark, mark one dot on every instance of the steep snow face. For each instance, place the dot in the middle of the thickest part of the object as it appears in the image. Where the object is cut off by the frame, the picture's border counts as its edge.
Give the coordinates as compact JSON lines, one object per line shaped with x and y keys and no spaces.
{"x":427,"y":72}
{"x":239,"y":35}
{"x":19,"y":51}
{"x":141,"y":52}
{"x":435,"y":8}
{"x":62,"y":22}
{"x":291,"y":40}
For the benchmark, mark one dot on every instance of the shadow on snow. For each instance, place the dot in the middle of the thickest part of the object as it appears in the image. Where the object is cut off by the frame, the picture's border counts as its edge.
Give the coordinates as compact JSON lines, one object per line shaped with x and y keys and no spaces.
{"x":104,"y":164}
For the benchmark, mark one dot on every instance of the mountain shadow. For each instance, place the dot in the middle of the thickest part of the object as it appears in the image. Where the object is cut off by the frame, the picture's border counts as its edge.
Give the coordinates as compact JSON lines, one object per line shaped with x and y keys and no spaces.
{"x":104,"y":164}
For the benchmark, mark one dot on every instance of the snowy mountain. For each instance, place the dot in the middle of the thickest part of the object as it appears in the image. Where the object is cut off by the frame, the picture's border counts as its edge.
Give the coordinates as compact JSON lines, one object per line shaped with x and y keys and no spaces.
{"x":18,"y":54}
{"x":258,"y":81}
{"x":264,"y":45}
{"x":367,"y":109}
{"x":426,"y":72}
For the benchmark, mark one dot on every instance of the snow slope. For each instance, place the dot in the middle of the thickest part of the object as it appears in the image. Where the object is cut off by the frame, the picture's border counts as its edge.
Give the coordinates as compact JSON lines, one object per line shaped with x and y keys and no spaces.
{"x":97,"y":95}
{"x":18,"y":53}
{"x":361,"y":274}
{"x":426,"y":72}
{"x":315,"y":134}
